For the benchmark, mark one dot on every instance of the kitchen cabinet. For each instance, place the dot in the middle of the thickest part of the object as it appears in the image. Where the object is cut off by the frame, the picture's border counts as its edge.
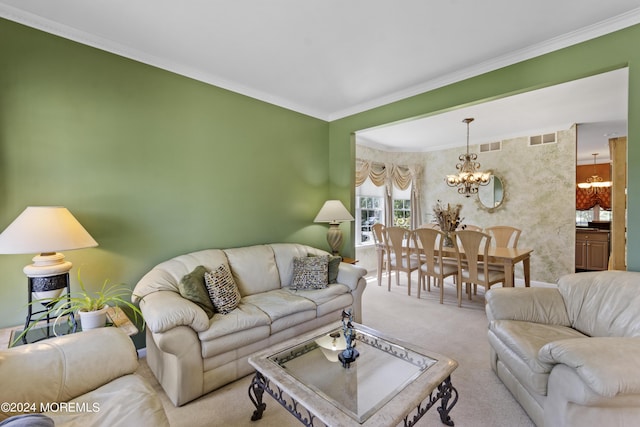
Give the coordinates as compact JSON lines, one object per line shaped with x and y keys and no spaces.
{"x":592,"y":249}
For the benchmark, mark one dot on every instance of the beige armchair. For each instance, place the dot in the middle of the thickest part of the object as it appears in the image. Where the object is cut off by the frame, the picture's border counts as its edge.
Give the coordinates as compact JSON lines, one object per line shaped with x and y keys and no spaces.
{"x":90,"y":372}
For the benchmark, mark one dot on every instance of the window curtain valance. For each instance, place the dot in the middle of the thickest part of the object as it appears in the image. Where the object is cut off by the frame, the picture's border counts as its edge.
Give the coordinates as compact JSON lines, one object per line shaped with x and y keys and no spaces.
{"x":382,"y":174}
{"x":586,"y":200}
{"x":390,"y":175}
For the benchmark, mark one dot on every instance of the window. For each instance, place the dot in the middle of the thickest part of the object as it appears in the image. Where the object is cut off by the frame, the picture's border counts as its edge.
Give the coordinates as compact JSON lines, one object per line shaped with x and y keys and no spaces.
{"x":402,"y":207}
{"x":369,"y":211}
{"x":596,"y":213}
{"x":402,"y":213}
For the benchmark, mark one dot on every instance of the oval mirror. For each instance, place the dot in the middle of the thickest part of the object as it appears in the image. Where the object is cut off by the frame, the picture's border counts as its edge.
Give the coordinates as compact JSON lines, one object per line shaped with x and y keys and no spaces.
{"x":492,"y":195}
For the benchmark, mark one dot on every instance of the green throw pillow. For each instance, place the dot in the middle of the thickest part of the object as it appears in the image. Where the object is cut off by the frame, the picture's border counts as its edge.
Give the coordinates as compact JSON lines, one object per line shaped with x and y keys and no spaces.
{"x":193,"y":288}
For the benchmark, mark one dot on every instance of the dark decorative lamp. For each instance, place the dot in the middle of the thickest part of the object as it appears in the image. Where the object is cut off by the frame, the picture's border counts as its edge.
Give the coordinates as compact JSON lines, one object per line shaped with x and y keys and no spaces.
{"x":334,"y":212}
{"x":45,"y":230}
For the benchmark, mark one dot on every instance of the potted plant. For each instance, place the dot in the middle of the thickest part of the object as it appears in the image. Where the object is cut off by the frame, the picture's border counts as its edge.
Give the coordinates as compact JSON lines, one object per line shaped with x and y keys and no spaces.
{"x":90,"y":307}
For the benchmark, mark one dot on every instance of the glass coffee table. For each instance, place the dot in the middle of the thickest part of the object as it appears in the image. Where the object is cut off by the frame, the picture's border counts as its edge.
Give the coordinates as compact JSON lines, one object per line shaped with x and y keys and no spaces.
{"x":390,"y":383}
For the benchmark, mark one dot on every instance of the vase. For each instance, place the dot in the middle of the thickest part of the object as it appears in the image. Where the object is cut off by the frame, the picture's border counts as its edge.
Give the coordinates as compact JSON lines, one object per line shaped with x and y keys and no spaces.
{"x":93,"y":319}
{"x":448,"y":242}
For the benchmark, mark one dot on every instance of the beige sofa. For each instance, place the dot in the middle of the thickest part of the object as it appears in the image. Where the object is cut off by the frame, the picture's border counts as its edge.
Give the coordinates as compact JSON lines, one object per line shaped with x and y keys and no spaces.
{"x":570,"y":355}
{"x":191,"y":354}
{"x":82,"y":379}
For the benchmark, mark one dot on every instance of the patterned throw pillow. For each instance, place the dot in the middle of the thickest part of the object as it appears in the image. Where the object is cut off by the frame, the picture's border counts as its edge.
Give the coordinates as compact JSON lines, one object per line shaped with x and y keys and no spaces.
{"x":310,"y":272}
{"x":223,"y":290}
{"x":334,"y":266}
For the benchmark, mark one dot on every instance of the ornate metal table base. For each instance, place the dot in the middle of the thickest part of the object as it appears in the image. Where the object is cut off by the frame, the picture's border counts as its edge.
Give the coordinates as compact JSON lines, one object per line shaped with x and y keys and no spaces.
{"x":444,"y":395}
{"x":260,"y":384}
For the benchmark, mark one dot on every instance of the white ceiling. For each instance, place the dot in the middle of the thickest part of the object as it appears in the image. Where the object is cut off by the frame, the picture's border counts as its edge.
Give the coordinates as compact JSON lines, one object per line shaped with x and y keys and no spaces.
{"x":328,"y":58}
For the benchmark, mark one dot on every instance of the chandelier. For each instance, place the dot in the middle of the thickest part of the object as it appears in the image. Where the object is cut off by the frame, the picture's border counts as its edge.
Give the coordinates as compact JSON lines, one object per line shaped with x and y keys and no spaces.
{"x":469,"y":176}
{"x":594,"y":183}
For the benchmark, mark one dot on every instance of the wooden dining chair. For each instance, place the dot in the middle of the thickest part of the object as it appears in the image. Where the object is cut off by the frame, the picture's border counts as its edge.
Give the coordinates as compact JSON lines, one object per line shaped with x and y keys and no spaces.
{"x":382,"y":248}
{"x":504,"y":236}
{"x":399,"y":256}
{"x":470,"y":227}
{"x":429,"y":243}
{"x":431,"y":225}
{"x":472,"y":247}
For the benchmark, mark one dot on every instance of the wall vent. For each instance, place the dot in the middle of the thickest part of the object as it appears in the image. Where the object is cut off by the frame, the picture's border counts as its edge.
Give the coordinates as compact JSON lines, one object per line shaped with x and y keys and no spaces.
{"x":547,"y":138}
{"x":491,"y":146}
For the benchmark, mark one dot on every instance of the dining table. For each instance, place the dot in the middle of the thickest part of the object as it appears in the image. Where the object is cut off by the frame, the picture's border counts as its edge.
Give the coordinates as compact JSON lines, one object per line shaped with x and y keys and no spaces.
{"x":507,"y":257}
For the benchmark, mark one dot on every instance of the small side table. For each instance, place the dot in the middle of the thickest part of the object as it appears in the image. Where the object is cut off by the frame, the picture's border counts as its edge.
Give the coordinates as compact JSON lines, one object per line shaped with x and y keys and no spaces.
{"x":116,"y":316}
{"x":349,"y":260}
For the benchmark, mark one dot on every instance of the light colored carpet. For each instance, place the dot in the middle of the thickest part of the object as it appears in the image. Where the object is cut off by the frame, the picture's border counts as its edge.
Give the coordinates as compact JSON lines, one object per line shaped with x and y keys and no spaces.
{"x":460,"y":333}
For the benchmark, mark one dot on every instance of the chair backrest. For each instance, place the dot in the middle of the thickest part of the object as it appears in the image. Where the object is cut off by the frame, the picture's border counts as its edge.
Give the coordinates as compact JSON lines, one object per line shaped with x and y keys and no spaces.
{"x":396,"y":236}
{"x":430,"y":225}
{"x":504,"y":236}
{"x":470,"y":227}
{"x":429,"y":241}
{"x":474,"y":244}
{"x":378,"y":233}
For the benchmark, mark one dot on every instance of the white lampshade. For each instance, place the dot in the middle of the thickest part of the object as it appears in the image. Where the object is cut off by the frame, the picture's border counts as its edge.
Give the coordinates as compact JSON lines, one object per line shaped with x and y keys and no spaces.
{"x":44,"y":229}
{"x":334,"y":212}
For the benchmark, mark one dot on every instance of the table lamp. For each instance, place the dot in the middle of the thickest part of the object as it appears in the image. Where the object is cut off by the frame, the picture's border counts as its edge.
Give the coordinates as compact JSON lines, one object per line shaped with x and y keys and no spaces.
{"x":334,"y":212}
{"x":45,"y":230}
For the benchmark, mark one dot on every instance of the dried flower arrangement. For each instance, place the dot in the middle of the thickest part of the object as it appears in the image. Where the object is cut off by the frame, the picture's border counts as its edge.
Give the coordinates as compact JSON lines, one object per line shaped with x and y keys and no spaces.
{"x":448,"y":218}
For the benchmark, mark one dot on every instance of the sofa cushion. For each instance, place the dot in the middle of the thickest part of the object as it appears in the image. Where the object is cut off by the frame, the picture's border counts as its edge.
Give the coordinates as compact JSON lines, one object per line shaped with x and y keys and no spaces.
{"x":609,"y":365}
{"x":517,"y":345}
{"x":321,"y":296}
{"x":125,"y":401}
{"x":193,"y":287}
{"x":603,"y":303}
{"x":222,"y":289}
{"x":280,"y":303}
{"x":254,"y":269}
{"x":310,"y":272}
{"x":245,"y":316}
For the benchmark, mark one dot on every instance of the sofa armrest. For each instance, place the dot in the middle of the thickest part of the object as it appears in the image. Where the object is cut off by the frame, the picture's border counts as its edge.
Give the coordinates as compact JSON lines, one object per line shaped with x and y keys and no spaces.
{"x":609,"y":365}
{"x":349,"y":274}
{"x":63,"y":368}
{"x":164,"y":310}
{"x":538,"y":305}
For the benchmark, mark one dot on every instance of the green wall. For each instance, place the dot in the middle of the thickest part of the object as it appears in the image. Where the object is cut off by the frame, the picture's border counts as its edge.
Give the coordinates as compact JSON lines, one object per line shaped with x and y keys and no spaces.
{"x":605,"y":53}
{"x":154,"y":164}
{"x":151,"y":163}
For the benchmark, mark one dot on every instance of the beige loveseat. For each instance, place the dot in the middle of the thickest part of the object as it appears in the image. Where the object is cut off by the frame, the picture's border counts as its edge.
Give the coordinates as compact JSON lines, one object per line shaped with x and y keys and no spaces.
{"x":570,"y":355}
{"x":82,"y":379}
{"x":192,"y":354}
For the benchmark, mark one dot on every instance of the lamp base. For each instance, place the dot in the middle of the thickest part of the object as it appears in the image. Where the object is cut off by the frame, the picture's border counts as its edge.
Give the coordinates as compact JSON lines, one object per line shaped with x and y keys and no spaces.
{"x":334,"y":237}
{"x":48,"y":276}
